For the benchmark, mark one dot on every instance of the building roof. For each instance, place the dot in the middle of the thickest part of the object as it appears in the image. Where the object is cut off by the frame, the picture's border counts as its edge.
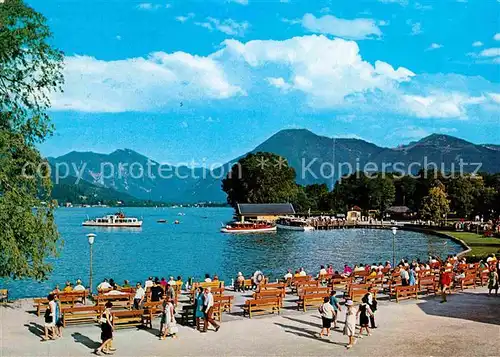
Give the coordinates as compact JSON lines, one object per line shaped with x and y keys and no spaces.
{"x":262,"y":209}
{"x":399,"y":209}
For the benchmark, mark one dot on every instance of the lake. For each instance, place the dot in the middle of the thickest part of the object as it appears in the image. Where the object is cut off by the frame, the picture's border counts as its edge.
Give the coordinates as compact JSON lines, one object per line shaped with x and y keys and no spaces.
{"x":195,"y":247}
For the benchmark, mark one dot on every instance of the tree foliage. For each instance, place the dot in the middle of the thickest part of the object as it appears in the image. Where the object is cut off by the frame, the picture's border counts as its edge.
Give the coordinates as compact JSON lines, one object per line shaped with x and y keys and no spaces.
{"x":435,"y":206}
{"x":30,"y":70}
{"x":260,"y":178}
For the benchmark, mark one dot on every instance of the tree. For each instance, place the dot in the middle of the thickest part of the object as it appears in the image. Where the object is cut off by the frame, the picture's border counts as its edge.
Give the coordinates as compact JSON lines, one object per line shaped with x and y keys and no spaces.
{"x":462,"y":196}
{"x":260,"y":178}
{"x":30,"y":70}
{"x":381,"y":193}
{"x":435,"y":205}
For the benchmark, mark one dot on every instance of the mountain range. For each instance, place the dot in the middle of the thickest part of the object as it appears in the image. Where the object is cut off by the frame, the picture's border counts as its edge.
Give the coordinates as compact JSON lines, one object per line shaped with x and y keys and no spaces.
{"x":309,"y":154}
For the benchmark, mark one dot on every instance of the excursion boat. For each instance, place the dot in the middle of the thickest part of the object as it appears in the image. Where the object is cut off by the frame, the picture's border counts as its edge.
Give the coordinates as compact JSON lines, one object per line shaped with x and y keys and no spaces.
{"x":114,"y":220}
{"x":293,"y":224}
{"x":248,"y":227}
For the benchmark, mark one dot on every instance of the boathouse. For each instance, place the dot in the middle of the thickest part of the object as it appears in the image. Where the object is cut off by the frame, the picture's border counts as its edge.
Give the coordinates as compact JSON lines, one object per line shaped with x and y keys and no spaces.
{"x":263,"y":211}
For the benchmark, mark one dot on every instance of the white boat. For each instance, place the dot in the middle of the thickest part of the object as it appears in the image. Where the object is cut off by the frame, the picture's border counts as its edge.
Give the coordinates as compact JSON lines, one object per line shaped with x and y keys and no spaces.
{"x":293,"y":224}
{"x":248,"y":227}
{"x":114,"y":220}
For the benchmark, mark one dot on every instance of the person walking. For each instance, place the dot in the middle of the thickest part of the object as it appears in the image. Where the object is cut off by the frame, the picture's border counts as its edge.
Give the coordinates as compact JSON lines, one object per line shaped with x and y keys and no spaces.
{"x":336,"y":307}
{"x":327,"y":313}
{"x":493,"y":281}
{"x":106,"y":322}
{"x":58,"y":317}
{"x":445,"y":282}
{"x":168,"y":318}
{"x":140,"y":294}
{"x":198,"y":313}
{"x":350,"y":323}
{"x":369,"y":299}
{"x":208,"y":307}
{"x":50,"y":319}
{"x":364,"y":312}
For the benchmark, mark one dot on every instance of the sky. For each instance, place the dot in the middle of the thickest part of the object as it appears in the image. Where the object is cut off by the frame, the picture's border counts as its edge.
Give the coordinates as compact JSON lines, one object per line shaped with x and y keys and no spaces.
{"x":206,"y":81}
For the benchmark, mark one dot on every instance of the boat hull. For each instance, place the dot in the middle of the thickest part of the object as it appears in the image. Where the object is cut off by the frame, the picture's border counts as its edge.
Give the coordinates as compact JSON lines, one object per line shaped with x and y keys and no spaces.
{"x":124,"y":225}
{"x":294,"y":228}
{"x":248,"y":230}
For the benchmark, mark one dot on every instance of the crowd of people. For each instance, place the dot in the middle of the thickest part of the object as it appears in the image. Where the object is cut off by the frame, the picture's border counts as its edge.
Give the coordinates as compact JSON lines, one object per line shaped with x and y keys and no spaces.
{"x":165,"y":291}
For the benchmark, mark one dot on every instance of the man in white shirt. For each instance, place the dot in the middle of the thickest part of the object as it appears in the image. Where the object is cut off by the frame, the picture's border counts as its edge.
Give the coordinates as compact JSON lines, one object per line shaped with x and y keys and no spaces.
{"x":208,"y":306}
{"x":207,"y":278}
{"x":79,"y":286}
{"x":322,"y":271}
{"x":288,"y":275}
{"x":148,"y":283}
{"x":404,"y":276}
{"x":104,"y":285}
{"x":302,"y":272}
{"x":140,"y":293}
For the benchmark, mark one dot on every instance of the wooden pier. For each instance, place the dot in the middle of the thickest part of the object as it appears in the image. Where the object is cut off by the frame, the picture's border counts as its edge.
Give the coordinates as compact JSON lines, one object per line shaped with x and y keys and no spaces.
{"x":319,"y":225}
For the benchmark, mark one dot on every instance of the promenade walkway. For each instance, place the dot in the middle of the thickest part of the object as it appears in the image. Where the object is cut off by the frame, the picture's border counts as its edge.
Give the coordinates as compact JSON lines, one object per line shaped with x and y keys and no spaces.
{"x":468,"y":325}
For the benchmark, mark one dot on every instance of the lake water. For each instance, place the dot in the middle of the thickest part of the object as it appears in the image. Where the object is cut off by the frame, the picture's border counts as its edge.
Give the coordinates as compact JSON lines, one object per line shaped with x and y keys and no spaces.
{"x":195,"y":247}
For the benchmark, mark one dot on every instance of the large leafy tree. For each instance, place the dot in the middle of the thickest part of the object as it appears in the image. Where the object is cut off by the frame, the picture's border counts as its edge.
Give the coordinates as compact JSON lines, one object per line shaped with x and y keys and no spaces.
{"x":260,"y":178}
{"x":462,"y":194}
{"x":30,"y":70}
{"x":382,"y":193}
{"x":435,"y":205}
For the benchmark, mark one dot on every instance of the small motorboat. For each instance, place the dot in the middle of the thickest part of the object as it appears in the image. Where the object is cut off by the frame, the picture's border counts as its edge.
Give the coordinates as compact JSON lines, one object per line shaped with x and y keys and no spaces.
{"x":176,"y":222}
{"x":161,"y":221}
{"x":294,"y":224}
{"x":248,"y":227}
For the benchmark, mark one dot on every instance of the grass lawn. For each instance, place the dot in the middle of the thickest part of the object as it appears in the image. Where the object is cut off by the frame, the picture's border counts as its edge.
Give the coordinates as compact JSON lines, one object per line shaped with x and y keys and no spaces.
{"x":480,"y":245}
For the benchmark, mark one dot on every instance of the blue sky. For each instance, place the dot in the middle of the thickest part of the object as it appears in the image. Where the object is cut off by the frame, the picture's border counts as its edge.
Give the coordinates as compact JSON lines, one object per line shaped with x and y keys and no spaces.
{"x":209,"y":80}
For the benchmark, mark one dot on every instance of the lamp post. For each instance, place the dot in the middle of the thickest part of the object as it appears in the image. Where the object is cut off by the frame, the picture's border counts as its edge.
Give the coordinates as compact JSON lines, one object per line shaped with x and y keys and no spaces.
{"x":394,"y":229}
{"x":91,"y":237}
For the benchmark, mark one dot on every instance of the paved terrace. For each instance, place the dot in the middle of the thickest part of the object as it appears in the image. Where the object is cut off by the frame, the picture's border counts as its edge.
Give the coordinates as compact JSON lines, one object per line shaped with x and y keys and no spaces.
{"x":468,"y":325}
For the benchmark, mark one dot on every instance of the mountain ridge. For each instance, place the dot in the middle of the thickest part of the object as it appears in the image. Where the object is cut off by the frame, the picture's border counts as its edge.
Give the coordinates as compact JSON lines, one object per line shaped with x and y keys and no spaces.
{"x":300,"y":147}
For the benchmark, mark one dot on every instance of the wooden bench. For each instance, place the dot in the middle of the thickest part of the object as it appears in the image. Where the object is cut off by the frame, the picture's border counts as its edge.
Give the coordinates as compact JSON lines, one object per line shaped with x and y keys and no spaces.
{"x":427,"y":284}
{"x":127,"y":318}
{"x":468,"y":282}
{"x":340,"y":282}
{"x":188,"y":317}
{"x":119,"y":300}
{"x":64,"y":299}
{"x":296,"y":280}
{"x":212,"y":285}
{"x":406,"y":292}
{"x":271,"y":286}
{"x":261,"y":306}
{"x":80,"y":314}
{"x":312,"y":299}
{"x":265,"y":294}
{"x":299,"y":288}
{"x":225,"y":301}
{"x":151,"y":309}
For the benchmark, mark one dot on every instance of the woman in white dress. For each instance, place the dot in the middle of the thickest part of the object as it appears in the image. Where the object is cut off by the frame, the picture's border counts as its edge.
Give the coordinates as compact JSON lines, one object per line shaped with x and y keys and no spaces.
{"x":350,"y":323}
{"x":170,"y":325}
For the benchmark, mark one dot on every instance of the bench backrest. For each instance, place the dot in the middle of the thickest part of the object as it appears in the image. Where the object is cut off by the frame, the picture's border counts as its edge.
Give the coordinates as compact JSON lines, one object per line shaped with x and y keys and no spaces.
{"x":212,"y":284}
{"x":316,"y":290}
{"x":127,"y":313}
{"x":88,"y":308}
{"x":272,"y":286}
{"x":299,"y":279}
{"x":263,"y":301}
{"x":314,"y":296}
{"x":267,"y":293}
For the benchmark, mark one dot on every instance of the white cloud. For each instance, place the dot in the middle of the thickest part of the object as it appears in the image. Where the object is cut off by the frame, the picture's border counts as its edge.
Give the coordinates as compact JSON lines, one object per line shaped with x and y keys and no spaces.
{"x":150,"y":6}
{"x":434,"y":46}
{"x":440,"y":104}
{"x":400,"y":2}
{"x":314,"y":72}
{"x":477,"y":44}
{"x":140,"y":83}
{"x":416,"y":27}
{"x":227,"y":26}
{"x":241,"y":2}
{"x":327,"y":70}
{"x":490,"y":52}
{"x":419,"y":6}
{"x":185,"y":18}
{"x":495,"y":97}
{"x":497,"y":37}
{"x":291,"y":21}
{"x":352,"y":29}
{"x":325,"y":10}
{"x":278,"y":82}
